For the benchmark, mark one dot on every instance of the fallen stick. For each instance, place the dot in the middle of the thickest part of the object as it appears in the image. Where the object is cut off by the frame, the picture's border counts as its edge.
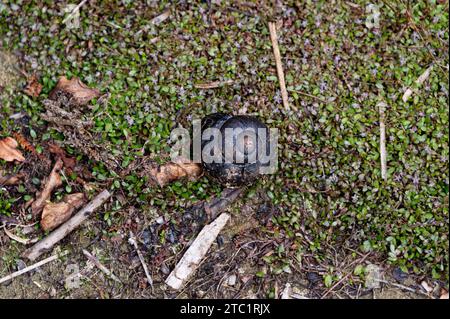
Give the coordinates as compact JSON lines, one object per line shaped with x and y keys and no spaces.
{"x":132,"y":241}
{"x":100,"y":265}
{"x":280,"y":72}
{"x":416,"y":291}
{"x":74,"y":11}
{"x":382,"y":108}
{"x":195,"y":253}
{"x":62,"y":231}
{"x":422,"y":78}
{"x":21,"y":240}
{"x":213,"y":85}
{"x":217,"y":204}
{"x":34,"y":266}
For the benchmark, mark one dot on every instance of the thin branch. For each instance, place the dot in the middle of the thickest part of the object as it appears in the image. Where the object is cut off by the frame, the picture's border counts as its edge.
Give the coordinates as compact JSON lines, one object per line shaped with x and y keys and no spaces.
{"x":100,"y":265}
{"x":132,"y":241}
{"x":74,"y":11}
{"x":213,"y":85}
{"x":309,"y":95}
{"x":48,"y":242}
{"x":280,"y":72}
{"x":405,"y":288}
{"x":382,"y":108}
{"x":34,"y":266}
{"x":422,"y":78}
{"x":345,"y":277}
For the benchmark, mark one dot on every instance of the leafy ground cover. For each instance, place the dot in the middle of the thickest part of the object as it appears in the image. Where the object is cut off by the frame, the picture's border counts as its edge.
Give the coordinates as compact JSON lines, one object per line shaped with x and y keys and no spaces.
{"x":325,"y":213}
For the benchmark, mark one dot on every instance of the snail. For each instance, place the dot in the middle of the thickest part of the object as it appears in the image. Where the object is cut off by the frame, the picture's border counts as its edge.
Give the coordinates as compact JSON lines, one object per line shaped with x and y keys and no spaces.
{"x":238,"y":146}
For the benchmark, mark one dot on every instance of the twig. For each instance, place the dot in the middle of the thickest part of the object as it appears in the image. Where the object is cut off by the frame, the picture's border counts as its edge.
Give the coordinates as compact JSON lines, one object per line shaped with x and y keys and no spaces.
{"x":422,"y":78}
{"x":132,"y":241}
{"x":405,"y":288}
{"x":195,"y":253}
{"x":280,"y":72}
{"x":21,"y":240}
{"x":74,"y":11}
{"x":100,"y":266}
{"x":213,"y":85}
{"x":345,"y":277}
{"x":34,"y":266}
{"x":48,"y":242}
{"x":160,"y":18}
{"x":382,"y":108}
{"x":309,"y":95}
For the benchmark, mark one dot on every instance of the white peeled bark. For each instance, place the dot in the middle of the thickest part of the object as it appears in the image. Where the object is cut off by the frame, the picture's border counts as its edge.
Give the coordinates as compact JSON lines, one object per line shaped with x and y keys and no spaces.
{"x":195,"y":253}
{"x":383,"y":156}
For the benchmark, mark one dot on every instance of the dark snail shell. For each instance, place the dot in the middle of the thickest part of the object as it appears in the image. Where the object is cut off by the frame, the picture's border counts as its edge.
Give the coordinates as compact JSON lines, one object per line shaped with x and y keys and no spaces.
{"x":232,"y":171}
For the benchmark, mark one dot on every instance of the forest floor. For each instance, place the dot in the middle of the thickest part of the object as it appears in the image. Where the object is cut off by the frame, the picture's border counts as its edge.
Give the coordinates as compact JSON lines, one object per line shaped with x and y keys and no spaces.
{"x":325,"y":224}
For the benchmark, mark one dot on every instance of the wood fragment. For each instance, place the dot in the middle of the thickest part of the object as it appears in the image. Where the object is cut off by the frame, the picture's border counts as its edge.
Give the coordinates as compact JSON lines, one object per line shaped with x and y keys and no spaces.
{"x":213,"y":85}
{"x":416,"y":291}
{"x":422,"y":78}
{"x":280,"y":72}
{"x":161,"y":18}
{"x":132,"y":241}
{"x":100,"y":266}
{"x":21,"y":240}
{"x":62,"y":231}
{"x":32,"y":267}
{"x":50,"y":183}
{"x":383,"y":156}
{"x":196,"y":252}
{"x":170,"y":172}
{"x":74,"y":11}
{"x":218,"y":204}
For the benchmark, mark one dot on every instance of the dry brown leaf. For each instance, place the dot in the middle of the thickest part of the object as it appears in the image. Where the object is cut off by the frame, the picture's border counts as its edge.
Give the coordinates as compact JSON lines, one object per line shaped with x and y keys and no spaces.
{"x":33,"y":87}
{"x":172,"y":171}
{"x":8,"y":150}
{"x":79,"y":92}
{"x":53,"y":181}
{"x":444,"y":294}
{"x":54,"y":214}
{"x":9,"y":180}
{"x":69,"y":162}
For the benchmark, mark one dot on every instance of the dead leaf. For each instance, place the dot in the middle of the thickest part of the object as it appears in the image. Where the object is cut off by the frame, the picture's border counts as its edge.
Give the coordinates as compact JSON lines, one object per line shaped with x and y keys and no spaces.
{"x":33,"y":87}
{"x":69,"y":162}
{"x":444,"y":294}
{"x":23,"y":142}
{"x":54,"y":214}
{"x":9,"y":180}
{"x":53,"y":181}
{"x":8,"y":150}
{"x":172,"y":171}
{"x":79,"y":92}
